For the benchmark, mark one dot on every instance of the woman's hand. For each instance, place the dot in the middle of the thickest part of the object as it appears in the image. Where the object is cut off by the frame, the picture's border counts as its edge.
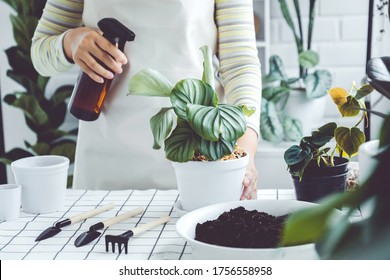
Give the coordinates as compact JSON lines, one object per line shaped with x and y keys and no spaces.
{"x":84,"y":46}
{"x":249,"y":143}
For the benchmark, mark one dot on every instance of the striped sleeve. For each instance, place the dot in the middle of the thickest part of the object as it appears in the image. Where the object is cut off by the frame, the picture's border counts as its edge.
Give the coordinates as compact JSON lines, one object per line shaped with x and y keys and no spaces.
{"x":239,"y":63}
{"x":47,"y":52}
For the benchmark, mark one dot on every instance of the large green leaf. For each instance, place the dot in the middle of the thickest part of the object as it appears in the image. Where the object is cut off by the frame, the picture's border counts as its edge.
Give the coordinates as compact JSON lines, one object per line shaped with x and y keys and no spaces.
{"x":363,"y":91}
{"x":192,"y":91}
{"x":275,"y":94}
{"x":208,"y":70}
{"x":161,"y":125}
{"x":318,"y":83}
{"x":378,"y":72}
{"x":322,"y":135}
{"x":30,"y":107}
{"x":292,"y":128}
{"x":215,"y":150}
{"x":349,"y":139}
{"x":60,"y":95}
{"x":296,"y":154}
{"x":308,"y":59}
{"x":276,"y":70}
{"x":21,"y":63}
{"x":271,"y":128}
{"x":149,"y":82}
{"x":23,"y":29}
{"x":211,"y":123}
{"x":350,"y":108}
{"x":180,"y":145}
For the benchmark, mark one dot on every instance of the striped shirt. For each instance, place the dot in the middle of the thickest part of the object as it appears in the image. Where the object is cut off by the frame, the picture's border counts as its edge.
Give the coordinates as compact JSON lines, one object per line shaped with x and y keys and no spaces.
{"x":239,"y":62}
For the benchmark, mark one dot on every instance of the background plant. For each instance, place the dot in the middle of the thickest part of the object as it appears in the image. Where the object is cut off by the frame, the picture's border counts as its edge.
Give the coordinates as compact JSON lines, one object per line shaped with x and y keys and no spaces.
{"x":43,"y":116}
{"x":202,"y":125}
{"x":275,"y":124}
{"x":341,"y":239}
{"x":347,"y":140}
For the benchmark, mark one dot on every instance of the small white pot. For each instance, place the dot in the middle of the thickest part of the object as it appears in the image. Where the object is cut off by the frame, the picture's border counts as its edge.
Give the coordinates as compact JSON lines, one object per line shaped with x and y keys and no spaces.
{"x":367,"y":160}
{"x":204,"y":183}
{"x":308,"y":111}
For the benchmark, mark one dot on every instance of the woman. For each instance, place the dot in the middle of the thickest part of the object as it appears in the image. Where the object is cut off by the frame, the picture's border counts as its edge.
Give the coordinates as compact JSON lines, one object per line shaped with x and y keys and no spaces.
{"x":114,"y":152}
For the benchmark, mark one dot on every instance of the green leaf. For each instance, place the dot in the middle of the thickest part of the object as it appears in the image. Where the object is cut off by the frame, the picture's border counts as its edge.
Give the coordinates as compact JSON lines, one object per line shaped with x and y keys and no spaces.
{"x":65,"y":148}
{"x":180,"y":145}
{"x":233,"y":122}
{"x":192,"y":91}
{"x":322,"y":135}
{"x":308,"y":59}
{"x":378,"y":72}
{"x":161,"y":125}
{"x":41,"y":148}
{"x":290,"y":23}
{"x":14,"y":154}
{"x":349,"y":139}
{"x":276,"y":70}
{"x":23,"y":30}
{"x":248,"y":111}
{"x":31,"y":109}
{"x":149,"y":82}
{"x":61,"y":94}
{"x":208,"y":70}
{"x":275,"y":94}
{"x":350,"y":108}
{"x":363,"y":91}
{"x":215,"y":150}
{"x":296,"y":154}
{"x":271,"y":128}
{"x":205,"y":120}
{"x":292,"y":129}
{"x":317,"y":83}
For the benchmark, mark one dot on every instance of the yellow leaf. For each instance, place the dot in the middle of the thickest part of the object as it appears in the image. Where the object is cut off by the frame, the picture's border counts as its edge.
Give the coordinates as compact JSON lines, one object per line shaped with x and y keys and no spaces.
{"x":339,"y":95}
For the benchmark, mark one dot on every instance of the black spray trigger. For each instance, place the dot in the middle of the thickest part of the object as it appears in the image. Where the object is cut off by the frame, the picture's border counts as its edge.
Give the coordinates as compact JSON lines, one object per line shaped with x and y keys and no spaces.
{"x":116,"y":32}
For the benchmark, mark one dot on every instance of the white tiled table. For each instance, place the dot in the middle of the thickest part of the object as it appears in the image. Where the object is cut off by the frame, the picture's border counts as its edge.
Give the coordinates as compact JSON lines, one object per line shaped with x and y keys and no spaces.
{"x":17,"y":238}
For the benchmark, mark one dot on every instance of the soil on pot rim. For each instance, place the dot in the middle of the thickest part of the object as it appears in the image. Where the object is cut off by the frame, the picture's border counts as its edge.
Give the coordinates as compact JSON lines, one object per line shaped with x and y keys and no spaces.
{"x":237,"y":153}
{"x":242,"y":228}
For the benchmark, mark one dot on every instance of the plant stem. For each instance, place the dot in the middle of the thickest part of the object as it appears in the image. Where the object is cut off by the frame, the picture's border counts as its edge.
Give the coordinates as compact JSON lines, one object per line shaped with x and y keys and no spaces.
{"x":298,"y":12}
{"x":312,"y":12}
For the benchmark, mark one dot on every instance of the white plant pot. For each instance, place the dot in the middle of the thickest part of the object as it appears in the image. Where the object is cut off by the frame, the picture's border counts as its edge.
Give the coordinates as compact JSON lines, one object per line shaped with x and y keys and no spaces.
{"x":367,"y":160}
{"x":205,"y":183}
{"x":309,"y":111}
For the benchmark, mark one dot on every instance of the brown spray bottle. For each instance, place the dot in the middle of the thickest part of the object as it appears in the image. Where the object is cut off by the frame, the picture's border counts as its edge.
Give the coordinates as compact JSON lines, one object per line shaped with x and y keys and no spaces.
{"x":88,"y":96}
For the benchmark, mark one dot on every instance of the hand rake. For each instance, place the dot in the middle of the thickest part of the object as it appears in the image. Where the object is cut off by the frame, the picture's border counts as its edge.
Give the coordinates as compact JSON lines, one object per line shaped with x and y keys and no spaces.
{"x":123,"y":239}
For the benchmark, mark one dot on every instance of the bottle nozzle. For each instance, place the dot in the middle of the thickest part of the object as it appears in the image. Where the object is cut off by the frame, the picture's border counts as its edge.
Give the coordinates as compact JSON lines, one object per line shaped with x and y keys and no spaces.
{"x":116,"y":32}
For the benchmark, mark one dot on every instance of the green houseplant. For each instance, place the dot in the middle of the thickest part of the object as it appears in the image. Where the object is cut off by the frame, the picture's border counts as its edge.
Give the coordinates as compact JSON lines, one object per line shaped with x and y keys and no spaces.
{"x":365,"y":239}
{"x":315,"y":169}
{"x":288,"y":101}
{"x":196,"y":132}
{"x":43,"y":115}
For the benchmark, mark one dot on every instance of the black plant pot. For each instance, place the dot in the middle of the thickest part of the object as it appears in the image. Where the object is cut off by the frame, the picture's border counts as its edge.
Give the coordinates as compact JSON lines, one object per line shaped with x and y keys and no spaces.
{"x":319,"y":182}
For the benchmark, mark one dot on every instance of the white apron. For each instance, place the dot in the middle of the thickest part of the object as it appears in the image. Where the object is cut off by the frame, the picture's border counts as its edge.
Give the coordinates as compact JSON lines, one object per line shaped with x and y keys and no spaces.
{"x":115,"y":151}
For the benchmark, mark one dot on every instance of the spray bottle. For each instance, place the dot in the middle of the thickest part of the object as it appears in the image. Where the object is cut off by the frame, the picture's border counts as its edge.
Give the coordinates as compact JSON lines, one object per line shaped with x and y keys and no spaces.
{"x":88,"y":96}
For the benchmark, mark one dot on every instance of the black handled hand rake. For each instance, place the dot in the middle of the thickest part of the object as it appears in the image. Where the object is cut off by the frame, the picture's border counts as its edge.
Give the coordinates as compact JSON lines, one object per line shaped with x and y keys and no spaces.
{"x":123,"y":239}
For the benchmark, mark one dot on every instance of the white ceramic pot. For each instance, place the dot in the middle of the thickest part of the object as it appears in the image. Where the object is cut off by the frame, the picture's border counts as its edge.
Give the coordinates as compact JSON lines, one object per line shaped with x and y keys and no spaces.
{"x":309,"y":111}
{"x":205,"y":183}
{"x":367,"y":160}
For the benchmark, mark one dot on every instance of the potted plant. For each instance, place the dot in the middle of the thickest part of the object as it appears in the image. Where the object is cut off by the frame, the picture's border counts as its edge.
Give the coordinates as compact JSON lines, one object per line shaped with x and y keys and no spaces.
{"x":44,"y":116}
{"x":198,"y":134}
{"x":315,"y":169}
{"x":289,"y":103}
{"x":368,"y":239}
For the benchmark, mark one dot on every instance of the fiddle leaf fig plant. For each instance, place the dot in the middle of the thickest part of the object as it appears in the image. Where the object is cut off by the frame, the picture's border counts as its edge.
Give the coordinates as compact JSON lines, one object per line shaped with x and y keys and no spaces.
{"x":347,"y":140}
{"x":196,"y":122}
{"x":43,"y":116}
{"x":276,"y":125}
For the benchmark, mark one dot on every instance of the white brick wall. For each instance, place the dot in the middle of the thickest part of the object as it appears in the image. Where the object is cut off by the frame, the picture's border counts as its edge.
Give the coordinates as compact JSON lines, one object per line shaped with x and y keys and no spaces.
{"x":340,"y":36}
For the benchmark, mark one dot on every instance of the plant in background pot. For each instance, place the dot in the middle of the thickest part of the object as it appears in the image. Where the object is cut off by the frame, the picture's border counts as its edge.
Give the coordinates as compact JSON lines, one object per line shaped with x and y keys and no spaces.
{"x":315,"y":169}
{"x":199,"y":135}
{"x":290,"y":106}
{"x":44,"y":116}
